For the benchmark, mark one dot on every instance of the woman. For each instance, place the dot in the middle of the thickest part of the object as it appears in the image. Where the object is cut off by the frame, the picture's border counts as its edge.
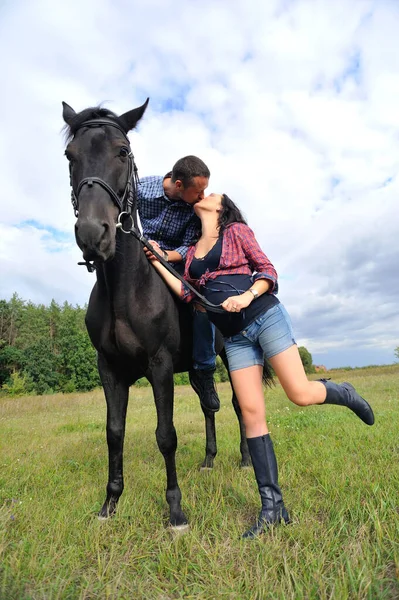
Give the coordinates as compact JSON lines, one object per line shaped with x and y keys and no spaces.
{"x":228,"y":266}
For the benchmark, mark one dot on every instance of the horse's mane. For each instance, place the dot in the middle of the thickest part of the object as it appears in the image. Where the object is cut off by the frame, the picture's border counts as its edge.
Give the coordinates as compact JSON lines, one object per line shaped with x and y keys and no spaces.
{"x":94,"y":112}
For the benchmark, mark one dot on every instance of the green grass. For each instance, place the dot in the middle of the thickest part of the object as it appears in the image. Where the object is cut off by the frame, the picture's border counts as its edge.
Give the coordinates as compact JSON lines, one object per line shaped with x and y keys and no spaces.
{"x":340,"y":481}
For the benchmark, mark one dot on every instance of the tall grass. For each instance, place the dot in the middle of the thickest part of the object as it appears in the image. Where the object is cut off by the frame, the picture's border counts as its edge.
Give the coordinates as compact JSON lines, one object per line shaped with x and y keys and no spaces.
{"x":340,"y":481}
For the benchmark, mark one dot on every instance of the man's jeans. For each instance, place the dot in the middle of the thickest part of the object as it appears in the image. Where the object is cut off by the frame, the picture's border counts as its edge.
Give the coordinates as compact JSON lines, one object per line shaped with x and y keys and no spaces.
{"x":204,"y":356}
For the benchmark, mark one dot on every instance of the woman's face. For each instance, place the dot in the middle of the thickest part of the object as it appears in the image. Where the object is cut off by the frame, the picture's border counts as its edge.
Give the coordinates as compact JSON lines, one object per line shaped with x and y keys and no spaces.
{"x":211,"y":203}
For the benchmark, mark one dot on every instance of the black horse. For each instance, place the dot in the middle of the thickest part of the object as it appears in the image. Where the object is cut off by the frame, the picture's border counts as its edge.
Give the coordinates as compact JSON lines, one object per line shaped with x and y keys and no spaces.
{"x":135,"y":323}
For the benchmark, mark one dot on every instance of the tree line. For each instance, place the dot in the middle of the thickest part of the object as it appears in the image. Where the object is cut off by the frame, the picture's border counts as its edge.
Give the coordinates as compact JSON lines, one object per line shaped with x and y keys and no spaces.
{"x":46,"y":349}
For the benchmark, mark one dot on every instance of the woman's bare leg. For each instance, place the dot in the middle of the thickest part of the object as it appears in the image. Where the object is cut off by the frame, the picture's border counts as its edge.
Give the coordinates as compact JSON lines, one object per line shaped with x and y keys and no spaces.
{"x":291,"y":374}
{"x":248,"y":387}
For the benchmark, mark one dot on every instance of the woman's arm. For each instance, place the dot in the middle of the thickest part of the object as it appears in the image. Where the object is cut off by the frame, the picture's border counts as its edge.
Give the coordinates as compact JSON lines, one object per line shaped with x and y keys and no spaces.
{"x":171,"y":281}
{"x":266,"y":276}
{"x":237,"y":303}
{"x":257,"y":259}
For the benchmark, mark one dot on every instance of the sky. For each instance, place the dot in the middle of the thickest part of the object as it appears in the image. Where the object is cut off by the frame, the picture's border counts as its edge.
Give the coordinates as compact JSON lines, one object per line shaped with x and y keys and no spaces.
{"x":293,"y":105}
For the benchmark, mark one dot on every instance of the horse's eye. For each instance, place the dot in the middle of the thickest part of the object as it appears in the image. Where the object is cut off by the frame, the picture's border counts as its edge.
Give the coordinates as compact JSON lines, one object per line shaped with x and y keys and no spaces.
{"x":124,"y":152}
{"x":68,"y":155}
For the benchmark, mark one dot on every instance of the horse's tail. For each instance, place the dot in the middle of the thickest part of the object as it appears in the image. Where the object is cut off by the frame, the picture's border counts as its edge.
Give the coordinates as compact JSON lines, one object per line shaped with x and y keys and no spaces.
{"x":267,"y":375}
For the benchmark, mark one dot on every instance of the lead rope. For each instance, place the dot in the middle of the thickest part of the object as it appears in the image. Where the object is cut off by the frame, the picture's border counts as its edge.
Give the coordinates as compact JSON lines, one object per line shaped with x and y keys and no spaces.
{"x":216,"y":308}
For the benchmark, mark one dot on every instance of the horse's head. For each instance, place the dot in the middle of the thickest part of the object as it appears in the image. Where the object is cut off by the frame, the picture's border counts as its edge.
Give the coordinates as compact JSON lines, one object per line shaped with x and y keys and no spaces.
{"x":102,"y":168}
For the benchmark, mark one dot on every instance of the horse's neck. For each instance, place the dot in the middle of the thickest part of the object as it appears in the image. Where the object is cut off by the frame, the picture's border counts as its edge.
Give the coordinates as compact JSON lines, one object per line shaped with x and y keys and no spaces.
{"x":123,"y":277}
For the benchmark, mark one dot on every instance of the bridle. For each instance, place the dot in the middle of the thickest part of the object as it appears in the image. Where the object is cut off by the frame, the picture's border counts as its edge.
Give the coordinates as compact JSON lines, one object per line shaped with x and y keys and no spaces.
{"x":125,"y":204}
{"x":126,"y":201}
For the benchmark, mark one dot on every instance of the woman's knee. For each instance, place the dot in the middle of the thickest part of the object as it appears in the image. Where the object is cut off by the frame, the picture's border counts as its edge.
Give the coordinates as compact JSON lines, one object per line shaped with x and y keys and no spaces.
{"x":300,"y":396}
{"x":252,"y":415}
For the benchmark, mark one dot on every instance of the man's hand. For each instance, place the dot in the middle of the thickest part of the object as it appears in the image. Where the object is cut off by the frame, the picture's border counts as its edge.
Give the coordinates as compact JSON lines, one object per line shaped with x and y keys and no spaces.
{"x":237,"y":303}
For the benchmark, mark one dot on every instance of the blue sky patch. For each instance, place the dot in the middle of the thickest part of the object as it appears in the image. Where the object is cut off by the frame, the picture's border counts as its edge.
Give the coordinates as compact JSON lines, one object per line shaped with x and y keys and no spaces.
{"x":353,"y":70}
{"x":177,"y":101}
{"x":387,"y":181}
{"x":55,"y":238}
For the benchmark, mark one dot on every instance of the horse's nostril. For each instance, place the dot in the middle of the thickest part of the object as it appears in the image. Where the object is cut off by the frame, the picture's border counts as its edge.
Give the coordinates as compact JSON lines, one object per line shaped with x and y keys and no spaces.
{"x":106,"y":227}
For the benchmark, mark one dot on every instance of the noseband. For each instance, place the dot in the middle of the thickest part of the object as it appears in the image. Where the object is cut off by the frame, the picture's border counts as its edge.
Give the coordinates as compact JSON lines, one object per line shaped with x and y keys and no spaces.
{"x":126,"y":201}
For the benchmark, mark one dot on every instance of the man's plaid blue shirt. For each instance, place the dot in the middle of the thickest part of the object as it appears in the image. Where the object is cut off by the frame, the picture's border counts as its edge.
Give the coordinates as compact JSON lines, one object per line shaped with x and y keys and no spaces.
{"x":171,"y":223}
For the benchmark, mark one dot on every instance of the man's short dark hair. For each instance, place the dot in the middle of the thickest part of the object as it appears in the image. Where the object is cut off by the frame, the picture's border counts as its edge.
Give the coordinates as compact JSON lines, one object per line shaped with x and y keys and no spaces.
{"x":189,"y":167}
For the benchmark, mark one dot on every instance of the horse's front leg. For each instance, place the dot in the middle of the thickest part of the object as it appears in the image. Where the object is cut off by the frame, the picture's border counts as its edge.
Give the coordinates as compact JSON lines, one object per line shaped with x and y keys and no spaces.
{"x":161,"y":379}
{"x":116,"y":394}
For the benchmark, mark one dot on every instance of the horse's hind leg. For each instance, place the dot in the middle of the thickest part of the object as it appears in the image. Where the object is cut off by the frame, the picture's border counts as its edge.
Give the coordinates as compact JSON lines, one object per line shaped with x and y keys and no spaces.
{"x":116,"y":395}
{"x":210,"y":442}
{"x":161,"y":379}
{"x":210,"y":436}
{"x":245,"y":456}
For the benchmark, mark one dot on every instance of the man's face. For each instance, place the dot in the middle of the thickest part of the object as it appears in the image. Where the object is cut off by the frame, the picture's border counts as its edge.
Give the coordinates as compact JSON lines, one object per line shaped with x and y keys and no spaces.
{"x":194,"y":192}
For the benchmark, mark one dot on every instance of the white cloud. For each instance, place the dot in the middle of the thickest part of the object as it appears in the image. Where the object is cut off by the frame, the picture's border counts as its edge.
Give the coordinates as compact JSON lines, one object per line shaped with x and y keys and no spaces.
{"x":293,"y":105}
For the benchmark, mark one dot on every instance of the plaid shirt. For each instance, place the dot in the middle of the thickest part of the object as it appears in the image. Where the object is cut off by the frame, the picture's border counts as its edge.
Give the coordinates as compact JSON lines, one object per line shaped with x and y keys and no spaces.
{"x":171,"y":223}
{"x":241,"y":254}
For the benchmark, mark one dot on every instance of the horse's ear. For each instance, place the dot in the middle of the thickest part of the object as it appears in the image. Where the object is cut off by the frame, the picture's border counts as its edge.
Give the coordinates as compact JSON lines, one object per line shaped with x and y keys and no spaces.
{"x":130,"y":119}
{"x":68,"y":113}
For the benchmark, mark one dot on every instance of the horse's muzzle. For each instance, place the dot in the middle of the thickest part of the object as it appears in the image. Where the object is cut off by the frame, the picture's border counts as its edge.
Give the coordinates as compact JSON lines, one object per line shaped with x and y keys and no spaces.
{"x":95,"y":239}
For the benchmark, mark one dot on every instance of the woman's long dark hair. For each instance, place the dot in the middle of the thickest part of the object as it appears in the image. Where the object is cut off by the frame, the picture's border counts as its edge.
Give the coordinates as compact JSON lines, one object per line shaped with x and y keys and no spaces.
{"x":229,"y":214}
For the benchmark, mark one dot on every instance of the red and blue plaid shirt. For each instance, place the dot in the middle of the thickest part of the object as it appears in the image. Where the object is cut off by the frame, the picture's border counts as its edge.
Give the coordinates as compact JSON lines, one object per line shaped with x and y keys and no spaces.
{"x":241,"y":255}
{"x":171,"y":223}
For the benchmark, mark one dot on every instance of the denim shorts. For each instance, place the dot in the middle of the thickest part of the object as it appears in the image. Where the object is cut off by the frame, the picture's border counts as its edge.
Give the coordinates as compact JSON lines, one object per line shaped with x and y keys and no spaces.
{"x":266,"y":336}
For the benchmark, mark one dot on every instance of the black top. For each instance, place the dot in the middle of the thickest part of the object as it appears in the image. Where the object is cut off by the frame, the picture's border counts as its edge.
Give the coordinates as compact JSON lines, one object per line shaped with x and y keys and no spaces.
{"x":209,"y":262}
{"x":224,"y":286}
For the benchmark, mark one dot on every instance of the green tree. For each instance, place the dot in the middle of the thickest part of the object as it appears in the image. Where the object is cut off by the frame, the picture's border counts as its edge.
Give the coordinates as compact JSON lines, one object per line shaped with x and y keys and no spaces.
{"x":306,"y":359}
{"x":40,"y":365}
{"x":18,"y":385}
{"x":47,"y":346}
{"x":396,"y":351}
{"x":181,"y":378}
{"x":221,"y":371}
{"x":11,"y":360}
{"x":77,"y":356}
{"x":10,"y":318}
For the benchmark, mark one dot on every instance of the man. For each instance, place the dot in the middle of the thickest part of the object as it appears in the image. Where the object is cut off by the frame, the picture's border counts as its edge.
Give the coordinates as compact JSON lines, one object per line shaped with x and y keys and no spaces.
{"x":165,"y":206}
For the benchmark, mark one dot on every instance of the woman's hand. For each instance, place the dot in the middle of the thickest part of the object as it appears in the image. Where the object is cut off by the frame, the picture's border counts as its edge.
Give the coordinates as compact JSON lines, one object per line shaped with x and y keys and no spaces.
{"x":237,"y":303}
{"x":156,"y":247}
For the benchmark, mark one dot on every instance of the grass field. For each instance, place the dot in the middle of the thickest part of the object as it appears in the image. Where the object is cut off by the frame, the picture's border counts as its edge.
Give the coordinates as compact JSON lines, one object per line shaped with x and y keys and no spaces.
{"x":340,"y":481}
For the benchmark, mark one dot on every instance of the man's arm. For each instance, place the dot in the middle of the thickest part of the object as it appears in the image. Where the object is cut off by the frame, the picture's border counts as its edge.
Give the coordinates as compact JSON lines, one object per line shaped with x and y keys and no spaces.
{"x":172,"y":256}
{"x":190,"y":237}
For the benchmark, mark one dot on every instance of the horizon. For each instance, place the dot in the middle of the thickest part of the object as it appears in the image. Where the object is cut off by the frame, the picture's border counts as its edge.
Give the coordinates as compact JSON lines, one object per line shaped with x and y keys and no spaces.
{"x":294,"y":112}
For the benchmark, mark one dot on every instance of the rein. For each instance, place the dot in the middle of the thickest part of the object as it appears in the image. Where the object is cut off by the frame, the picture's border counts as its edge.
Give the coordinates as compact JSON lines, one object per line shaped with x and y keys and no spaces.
{"x":217,"y":308}
{"x":125,"y":205}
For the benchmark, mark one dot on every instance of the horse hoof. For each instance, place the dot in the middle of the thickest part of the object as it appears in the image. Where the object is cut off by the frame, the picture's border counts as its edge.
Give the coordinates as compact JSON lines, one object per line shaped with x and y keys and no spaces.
{"x":206,"y":468}
{"x":102,"y":518}
{"x":179,"y":530}
{"x":106,"y":513}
